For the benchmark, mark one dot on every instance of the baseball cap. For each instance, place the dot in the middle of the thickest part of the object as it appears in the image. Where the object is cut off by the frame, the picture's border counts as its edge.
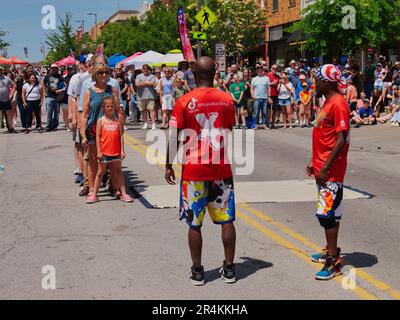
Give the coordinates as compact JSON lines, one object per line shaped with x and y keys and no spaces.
{"x":304,"y":84}
{"x":302,"y":77}
{"x":259,"y":67}
{"x":379,"y":64}
{"x":396,"y":63}
{"x":366,"y":100}
{"x":54,"y":66}
{"x":292,"y":61}
{"x":347,"y":66}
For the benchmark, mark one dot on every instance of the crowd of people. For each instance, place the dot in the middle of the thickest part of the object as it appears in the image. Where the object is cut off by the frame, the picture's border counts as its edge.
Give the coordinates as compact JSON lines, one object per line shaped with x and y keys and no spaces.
{"x":263,"y":98}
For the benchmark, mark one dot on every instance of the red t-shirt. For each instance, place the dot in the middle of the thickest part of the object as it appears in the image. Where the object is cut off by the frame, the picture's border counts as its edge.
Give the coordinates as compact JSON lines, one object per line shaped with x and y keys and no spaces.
{"x":334,"y":117}
{"x":274,"y":88}
{"x":207,"y":115}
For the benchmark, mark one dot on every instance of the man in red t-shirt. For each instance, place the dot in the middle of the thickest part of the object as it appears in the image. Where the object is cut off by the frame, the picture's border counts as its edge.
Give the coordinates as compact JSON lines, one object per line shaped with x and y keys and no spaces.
{"x":204,"y":117}
{"x":331,"y":142}
{"x":273,"y":107}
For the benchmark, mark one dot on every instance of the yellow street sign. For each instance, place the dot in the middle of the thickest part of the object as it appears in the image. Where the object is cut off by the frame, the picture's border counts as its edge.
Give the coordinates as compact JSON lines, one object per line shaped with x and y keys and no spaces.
{"x":199,"y":35}
{"x":206,"y":17}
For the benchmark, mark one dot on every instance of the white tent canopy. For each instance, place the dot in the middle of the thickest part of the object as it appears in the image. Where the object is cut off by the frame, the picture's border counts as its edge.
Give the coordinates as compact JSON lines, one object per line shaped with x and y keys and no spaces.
{"x":148,"y":57}
{"x":171,"y":59}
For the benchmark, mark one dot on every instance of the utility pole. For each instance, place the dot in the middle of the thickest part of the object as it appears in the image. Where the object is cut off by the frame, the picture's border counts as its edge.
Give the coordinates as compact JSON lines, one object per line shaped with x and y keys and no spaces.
{"x":198,"y":25}
{"x":83,"y":25}
{"x":95,"y":26}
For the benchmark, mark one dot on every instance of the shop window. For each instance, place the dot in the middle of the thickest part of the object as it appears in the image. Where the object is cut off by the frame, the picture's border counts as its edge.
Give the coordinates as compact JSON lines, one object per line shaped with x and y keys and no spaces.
{"x":292,"y":3}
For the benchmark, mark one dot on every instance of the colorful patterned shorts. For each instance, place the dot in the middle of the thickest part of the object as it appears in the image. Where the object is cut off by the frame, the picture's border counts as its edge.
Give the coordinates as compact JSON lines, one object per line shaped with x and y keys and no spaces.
{"x":330,"y":202}
{"x":217,"y":196}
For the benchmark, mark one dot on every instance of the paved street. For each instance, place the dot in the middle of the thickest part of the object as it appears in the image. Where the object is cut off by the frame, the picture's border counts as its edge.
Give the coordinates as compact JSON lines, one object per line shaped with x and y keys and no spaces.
{"x":113,"y":250}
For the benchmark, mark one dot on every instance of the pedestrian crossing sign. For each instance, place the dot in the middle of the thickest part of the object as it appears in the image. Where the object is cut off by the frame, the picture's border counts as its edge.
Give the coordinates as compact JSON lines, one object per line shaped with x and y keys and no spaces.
{"x":206,"y":17}
{"x":199,"y":35}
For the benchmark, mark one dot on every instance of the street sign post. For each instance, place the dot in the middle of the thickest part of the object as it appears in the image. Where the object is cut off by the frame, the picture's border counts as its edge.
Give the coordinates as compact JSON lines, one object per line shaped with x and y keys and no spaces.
{"x":206,"y":17}
{"x":199,"y":35}
{"x":220,"y":56}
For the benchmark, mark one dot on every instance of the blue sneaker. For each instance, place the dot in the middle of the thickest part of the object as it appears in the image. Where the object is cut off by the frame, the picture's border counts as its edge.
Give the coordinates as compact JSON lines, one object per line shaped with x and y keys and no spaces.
{"x":331,"y":269}
{"x":321,"y":257}
{"x":79,"y":178}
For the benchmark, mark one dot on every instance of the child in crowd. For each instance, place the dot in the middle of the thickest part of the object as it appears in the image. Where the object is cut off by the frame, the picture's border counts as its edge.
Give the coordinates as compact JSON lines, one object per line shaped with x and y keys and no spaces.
{"x":236,"y":91}
{"x":305,"y":98}
{"x":110,"y":150}
{"x":179,"y":89}
{"x":221,"y":85}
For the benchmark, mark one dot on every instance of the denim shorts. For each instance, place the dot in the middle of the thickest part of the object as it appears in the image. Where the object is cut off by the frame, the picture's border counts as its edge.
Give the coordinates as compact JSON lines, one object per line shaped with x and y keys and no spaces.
{"x":285,"y":102}
{"x":108,"y":159}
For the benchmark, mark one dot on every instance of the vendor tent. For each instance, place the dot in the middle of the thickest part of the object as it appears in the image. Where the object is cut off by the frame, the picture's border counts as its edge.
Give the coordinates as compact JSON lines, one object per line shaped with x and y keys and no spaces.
{"x":4,"y":60}
{"x":171,"y":59}
{"x":148,"y":57}
{"x":15,"y":60}
{"x":123,"y":62}
{"x":66,"y":61}
{"x":114,"y":59}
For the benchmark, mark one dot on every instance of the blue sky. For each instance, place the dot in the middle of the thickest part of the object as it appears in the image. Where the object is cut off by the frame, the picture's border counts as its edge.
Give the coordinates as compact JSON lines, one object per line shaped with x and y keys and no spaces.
{"x":22,"y":20}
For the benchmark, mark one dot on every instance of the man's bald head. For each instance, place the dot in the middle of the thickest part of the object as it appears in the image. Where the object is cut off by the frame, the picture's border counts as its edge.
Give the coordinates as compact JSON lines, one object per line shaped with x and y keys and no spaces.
{"x":204,"y":71}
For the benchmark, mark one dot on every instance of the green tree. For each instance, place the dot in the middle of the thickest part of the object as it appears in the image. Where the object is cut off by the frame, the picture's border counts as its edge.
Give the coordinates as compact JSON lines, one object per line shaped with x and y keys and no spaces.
{"x":158,"y":31}
{"x":322,"y":25}
{"x":240,"y":25}
{"x":61,"y":41}
{"x":3,"y":44}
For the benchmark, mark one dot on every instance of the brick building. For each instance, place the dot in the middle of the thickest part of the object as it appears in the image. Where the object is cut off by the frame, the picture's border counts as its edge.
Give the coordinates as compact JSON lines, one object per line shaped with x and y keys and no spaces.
{"x":281,"y":46}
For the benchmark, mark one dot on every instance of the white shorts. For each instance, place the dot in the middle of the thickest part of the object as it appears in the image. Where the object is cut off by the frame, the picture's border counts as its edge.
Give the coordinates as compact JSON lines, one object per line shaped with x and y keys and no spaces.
{"x":167,"y":102}
{"x":64,"y":106}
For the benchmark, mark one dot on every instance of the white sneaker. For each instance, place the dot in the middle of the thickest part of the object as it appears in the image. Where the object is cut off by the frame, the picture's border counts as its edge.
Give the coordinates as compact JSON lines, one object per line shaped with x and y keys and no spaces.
{"x":144,"y":126}
{"x":125,"y":128}
{"x":153,"y":126}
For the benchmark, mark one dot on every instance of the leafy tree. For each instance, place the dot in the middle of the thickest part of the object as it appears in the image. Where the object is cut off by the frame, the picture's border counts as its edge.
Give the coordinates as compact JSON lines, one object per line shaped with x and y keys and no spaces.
{"x":322,"y":25}
{"x":158,"y":31}
{"x":240,"y":25}
{"x":61,"y":41}
{"x":3,"y":43}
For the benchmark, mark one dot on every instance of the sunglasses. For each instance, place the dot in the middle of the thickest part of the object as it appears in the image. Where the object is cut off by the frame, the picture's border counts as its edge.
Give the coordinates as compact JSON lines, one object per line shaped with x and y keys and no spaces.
{"x":104,"y":73}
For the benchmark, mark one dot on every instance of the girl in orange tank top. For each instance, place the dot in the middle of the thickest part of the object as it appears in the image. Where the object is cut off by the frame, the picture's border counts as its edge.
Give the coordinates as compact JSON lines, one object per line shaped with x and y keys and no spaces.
{"x":110,"y":151}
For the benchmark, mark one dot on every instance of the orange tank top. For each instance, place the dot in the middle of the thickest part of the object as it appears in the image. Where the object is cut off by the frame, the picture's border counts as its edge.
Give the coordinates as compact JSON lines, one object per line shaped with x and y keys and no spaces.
{"x":110,"y":139}
{"x":304,"y":96}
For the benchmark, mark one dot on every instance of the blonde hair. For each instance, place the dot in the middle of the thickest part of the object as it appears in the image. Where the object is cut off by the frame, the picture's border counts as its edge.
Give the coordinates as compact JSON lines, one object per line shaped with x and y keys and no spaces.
{"x":97,"y":69}
{"x":107,"y":98}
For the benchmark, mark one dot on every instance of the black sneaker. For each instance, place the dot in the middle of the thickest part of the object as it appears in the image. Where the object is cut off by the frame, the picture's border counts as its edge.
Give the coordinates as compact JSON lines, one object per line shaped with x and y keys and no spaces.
{"x":12,"y":130}
{"x":228,"y":273}
{"x":197,"y":276}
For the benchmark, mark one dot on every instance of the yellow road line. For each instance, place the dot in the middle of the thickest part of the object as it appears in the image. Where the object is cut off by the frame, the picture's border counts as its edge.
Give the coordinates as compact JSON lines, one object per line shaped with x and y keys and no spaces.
{"x":359,"y":291}
{"x":139,"y":145}
{"x":308,"y":243}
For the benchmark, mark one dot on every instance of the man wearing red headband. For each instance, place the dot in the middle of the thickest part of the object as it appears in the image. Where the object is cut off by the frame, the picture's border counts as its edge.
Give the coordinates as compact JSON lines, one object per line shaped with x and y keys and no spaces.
{"x":331,"y":142}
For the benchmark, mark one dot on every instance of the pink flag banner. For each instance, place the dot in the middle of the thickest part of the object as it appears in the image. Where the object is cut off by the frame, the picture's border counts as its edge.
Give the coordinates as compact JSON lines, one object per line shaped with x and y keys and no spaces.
{"x":184,"y":36}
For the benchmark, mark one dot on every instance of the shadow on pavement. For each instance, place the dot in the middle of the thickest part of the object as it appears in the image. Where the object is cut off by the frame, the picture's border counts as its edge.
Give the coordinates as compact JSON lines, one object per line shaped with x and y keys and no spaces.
{"x":132,"y":182}
{"x":243,"y":269}
{"x":369,"y":195}
{"x":359,"y":259}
